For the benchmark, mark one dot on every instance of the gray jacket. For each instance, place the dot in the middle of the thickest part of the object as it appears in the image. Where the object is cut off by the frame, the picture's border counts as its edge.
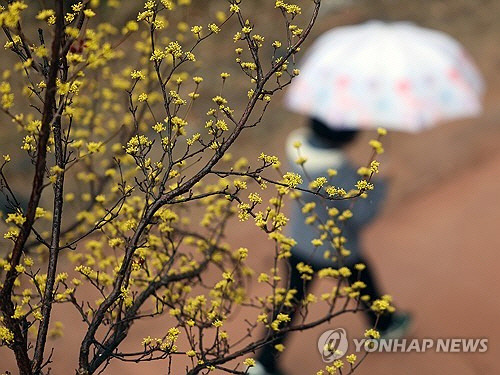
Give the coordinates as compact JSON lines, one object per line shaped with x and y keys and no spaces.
{"x":319,"y":160}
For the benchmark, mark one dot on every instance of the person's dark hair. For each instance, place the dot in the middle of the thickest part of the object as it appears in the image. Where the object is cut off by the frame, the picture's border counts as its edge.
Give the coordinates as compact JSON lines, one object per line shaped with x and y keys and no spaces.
{"x":335,"y":138}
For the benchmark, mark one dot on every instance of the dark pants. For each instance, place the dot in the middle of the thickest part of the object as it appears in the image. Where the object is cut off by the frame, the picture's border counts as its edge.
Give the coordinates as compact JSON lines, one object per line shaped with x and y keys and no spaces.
{"x":268,"y":354}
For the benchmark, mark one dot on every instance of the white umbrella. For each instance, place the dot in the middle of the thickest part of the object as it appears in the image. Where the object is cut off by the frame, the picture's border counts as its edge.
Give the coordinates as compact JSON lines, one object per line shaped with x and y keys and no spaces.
{"x":397,"y":75}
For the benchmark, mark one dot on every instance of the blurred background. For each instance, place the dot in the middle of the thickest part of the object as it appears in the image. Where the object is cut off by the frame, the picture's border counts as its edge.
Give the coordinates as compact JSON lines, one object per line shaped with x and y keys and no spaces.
{"x":435,"y":245}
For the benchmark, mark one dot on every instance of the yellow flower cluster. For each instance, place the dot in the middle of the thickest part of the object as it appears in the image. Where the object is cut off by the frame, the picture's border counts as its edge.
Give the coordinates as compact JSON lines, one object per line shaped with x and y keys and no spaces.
{"x":10,"y":16}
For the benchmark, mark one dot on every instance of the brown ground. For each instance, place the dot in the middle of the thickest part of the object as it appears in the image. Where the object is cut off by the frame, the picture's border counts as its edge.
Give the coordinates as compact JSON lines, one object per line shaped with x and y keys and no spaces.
{"x":435,"y":246}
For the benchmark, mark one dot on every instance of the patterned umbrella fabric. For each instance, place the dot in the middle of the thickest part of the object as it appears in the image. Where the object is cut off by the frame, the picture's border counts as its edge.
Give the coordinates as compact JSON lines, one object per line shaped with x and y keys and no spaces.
{"x":397,"y":75}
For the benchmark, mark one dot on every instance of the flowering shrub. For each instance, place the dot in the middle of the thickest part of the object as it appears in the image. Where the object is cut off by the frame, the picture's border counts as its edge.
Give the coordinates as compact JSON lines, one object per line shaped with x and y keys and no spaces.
{"x":105,"y":115}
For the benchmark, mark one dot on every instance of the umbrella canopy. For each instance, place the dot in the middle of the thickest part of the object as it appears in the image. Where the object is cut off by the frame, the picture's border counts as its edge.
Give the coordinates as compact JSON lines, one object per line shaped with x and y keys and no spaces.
{"x":397,"y":75}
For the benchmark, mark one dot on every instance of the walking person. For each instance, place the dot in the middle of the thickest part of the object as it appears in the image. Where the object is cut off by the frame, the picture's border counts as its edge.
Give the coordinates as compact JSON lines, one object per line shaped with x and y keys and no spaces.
{"x":323,"y":147}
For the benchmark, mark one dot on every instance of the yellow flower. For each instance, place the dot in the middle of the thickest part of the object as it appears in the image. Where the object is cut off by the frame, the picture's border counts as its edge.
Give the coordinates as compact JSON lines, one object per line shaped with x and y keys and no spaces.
{"x":316,"y":242}
{"x":217,"y":323}
{"x":44,"y":14}
{"x":137,"y":74}
{"x":213,"y":28}
{"x":376,"y":145}
{"x":292,"y":179}
{"x":100,"y":198}
{"x":279,"y":347}
{"x":93,"y":147}
{"x":380,"y":305}
{"x":28,"y":261}
{"x":351,"y":358}
{"x":20,"y":268}
{"x":6,"y":335}
{"x":374,"y":166}
{"x":364,"y":185}
{"x":89,"y":13}
{"x":359,"y":266}
{"x":262,"y":278}
{"x":77,"y":7}
{"x":381,"y":131}
{"x":344,"y":272}
{"x":250,"y":362}
{"x":372,"y":333}
{"x":15,"y":218}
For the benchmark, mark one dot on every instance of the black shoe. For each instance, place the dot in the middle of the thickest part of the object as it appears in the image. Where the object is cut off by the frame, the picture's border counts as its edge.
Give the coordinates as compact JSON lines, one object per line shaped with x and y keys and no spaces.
{"x":398,"y":328}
